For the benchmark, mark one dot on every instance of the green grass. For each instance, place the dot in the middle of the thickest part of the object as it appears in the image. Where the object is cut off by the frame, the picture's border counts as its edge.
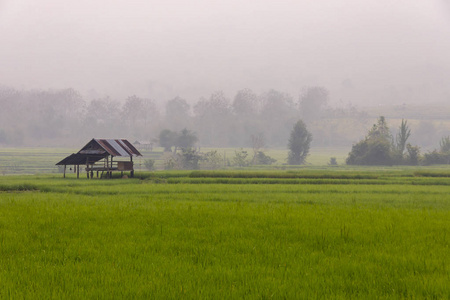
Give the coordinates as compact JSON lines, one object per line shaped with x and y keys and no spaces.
{"x":43,"y":160}
{"x":383,"y":234}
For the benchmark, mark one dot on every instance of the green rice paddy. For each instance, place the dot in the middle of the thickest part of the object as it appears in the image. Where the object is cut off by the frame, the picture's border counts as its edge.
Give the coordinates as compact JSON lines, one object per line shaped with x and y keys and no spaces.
{"x":295,"y":234}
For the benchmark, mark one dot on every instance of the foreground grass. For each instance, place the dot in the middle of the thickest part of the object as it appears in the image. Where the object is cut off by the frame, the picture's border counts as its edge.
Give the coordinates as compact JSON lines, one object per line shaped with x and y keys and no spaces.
{"x":137,"y":239}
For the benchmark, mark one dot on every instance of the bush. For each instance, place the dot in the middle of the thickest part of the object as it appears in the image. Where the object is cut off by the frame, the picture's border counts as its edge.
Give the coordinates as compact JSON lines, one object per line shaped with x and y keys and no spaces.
{"x":436,"y":158}
{"x":262,"y":159}
{"x":149,"y":164}
{"x":333,"y":161}
{"x":240,"y":158}
{"x":212,"y":160}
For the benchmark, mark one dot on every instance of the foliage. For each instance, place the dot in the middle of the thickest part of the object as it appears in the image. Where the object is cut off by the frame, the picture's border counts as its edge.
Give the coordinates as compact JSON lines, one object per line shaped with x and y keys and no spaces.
{"x":171,"y":162}
{"x":167,"y":139}
{"x":445,"y":144}
{"x":149,"y":164}
{"x":186,"y":139}
{"x":333,"y":161}
{"x":439,"y":157}
{"x":436,"y":158}
{"x":413,"y":155}
{"x":190,"y":159}
{"x":312,"y":102}
{"x":378,"y":147}
{"x":299,"y":144}
{"x":370,"y":151}
{"x":402,"y":137}
{"x":240,"y":158}
{"x":212,"y":160}
{"x":262,"y":159}
{"x":380,"y":130}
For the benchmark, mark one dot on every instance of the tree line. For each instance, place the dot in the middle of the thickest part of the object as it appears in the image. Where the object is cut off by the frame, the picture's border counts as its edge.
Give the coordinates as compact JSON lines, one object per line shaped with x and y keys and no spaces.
{"x":57,"y":117}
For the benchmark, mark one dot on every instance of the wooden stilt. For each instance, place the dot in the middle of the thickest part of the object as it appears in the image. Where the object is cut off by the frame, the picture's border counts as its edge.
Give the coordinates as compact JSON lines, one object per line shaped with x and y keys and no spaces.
{"x":132,"y":167}
{"x":64,"y":176}
{"x":78,"y":171}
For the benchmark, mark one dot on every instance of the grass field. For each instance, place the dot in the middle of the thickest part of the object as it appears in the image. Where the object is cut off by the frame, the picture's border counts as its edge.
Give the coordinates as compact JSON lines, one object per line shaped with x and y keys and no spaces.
{"x":43,"y":160}
{"x":310,"y":233}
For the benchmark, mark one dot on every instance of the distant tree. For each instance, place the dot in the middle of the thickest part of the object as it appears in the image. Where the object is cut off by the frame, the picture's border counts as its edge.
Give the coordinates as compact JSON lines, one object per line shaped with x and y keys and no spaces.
{"x":380,"y":130}
{"x":333,"y":161}
{"x":167,"y":139}
{"x":401,"y":138}
{"x":186,"y":139}
{"x":312,"y":101}
{"x":212,"y":119}
{"x":278,"y":114}
{"x":445,"y":144}
{"x":149,"y":164}
{"x":212,"y":160}
{"x":375,"y":148}
{"x":413,"y":155}
{"x":439,"y":157}
{"x":245,"y":119}
{"x":258,"y":143}
{"x":262,"y":159}
{"x":240,"y":158}
{"x":177,"y":113}
{"x":190,"y":158}
{"x":299,"y":144}
{"x":244,"y":103}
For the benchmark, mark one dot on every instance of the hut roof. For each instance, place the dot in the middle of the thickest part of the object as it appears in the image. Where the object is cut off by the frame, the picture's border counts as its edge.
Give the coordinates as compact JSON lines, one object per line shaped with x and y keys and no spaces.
{"x":97,"y":149}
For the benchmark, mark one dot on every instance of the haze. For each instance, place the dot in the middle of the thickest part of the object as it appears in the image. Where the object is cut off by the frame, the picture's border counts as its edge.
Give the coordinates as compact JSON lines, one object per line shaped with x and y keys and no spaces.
{"x":365,"y":52}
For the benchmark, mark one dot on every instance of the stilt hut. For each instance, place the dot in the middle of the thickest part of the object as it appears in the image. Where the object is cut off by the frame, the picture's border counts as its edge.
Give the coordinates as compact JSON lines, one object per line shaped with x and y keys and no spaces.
{"x":102,"y":156}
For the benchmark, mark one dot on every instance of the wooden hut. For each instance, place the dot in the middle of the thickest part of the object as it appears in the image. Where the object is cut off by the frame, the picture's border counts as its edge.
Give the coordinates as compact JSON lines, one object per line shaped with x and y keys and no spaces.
{"x":102,"y":155}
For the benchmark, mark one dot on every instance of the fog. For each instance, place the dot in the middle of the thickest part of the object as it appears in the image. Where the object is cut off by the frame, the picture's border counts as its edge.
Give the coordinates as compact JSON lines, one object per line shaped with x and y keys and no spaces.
{"x":364,"y":52}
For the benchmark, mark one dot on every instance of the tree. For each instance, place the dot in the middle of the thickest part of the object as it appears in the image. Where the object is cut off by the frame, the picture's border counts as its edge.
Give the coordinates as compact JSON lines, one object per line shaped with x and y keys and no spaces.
{"x":413,"y":155}
{"x":380,"y":130}
{"x":402,"y":136}
{"x":278,"y":114}
{"x":177,"y":113}
{"x":299,"y":144}
{"x":445,"y":144}
{"x":190,"y":159}
{"x":312,"y":101}
{"x":167,"y":139}
{"x":258,"y":143}
{"x":244,"y":103}
{"x":375,"y":148}
{"x":186,"y":139}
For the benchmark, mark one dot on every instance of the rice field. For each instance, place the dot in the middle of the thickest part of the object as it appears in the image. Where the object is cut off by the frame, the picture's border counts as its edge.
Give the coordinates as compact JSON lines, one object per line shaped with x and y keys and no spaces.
{"x":38,"y":160}
{"x":309,"y":233}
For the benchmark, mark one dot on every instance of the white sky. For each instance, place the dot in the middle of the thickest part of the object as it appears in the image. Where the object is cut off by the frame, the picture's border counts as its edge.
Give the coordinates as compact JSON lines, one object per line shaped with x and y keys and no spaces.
{"x":386,"y":50}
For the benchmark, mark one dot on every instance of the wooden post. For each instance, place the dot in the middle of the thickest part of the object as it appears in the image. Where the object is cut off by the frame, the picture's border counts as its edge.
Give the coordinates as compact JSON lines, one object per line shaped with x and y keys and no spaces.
{"x":64,"y":176}
{"x":78,"y":171}
{"x":107,"y":166}
{"x":132,"y":167}
{"x":111,"y":166}
{"x":87,"y":166}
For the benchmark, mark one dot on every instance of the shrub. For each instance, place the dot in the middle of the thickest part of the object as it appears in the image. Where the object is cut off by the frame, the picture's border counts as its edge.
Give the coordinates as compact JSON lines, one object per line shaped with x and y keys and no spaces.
{"x":149,"y":164}
{"x":262,"y":159}
{"x":240,"y":158}
{"x":333,"y":161}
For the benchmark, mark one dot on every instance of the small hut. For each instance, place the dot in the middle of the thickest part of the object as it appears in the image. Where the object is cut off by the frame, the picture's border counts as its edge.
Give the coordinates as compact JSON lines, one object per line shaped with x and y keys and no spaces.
{"x":102,"y":155}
